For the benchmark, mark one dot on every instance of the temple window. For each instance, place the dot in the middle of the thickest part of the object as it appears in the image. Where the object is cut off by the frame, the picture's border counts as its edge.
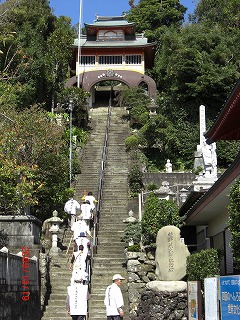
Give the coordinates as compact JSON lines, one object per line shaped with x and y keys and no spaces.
{"x":110,"y":35}
{"x":87,"y":60}
{"x":133,"y":59}
{"x":110,"y":59}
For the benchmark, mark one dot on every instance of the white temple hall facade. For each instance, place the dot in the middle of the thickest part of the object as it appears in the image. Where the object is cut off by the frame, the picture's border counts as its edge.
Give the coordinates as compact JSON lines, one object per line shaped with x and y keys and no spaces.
{"x":112,"y":51}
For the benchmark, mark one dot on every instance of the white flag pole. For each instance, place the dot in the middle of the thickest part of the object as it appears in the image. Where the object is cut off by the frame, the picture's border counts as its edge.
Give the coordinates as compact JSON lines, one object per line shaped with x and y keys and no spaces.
{"x":79,"y":45}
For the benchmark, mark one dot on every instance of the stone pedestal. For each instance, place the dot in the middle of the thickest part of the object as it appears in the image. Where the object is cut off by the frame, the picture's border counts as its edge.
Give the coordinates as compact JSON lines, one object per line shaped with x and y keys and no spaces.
{"x":54,"y":249}
{"x":21,"y":230}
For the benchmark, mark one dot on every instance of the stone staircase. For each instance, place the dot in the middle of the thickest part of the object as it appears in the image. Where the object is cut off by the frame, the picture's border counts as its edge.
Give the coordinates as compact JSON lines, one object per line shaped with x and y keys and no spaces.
{"x":60,"y":276}
{"x":91,"y":159}
{"x":88,"y":180}
{"x":110,"y":257}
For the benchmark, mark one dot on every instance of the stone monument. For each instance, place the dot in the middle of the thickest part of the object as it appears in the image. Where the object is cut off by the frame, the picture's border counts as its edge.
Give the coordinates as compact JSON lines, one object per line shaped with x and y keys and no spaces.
{"x":171,"y":255}
{"x":166,"y":297}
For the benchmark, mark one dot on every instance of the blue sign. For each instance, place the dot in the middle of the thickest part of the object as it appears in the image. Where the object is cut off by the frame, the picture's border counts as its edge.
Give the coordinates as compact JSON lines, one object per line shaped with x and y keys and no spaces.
{"x":230,"y":297}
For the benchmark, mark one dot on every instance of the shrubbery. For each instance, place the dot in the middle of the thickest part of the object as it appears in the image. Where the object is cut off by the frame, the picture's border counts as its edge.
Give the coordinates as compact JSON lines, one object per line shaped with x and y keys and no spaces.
{"x":157,"y":214}
{"x":203,"y":264}
{"x":132,"y":232}
{"x":131,"y":143}
{"x":234,"y":218}
{"x":135,"y":180}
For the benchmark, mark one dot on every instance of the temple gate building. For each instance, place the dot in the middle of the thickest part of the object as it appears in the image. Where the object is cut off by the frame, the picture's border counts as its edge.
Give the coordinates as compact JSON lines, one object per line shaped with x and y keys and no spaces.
{"x":112,"y":51}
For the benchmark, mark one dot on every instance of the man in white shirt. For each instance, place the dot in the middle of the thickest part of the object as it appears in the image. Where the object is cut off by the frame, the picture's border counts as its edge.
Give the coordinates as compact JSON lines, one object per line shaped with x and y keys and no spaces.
{"x":86,"y":211}
{"x":114,"y":299}
{"x":71,"y":207}
{"x":91,"y":199}
{"x":79,"y":226}
{"x":76,"y":304}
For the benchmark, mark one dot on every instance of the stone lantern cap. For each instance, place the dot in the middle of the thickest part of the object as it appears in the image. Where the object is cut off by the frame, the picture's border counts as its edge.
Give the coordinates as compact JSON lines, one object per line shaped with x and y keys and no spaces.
{"x":55,"y":221}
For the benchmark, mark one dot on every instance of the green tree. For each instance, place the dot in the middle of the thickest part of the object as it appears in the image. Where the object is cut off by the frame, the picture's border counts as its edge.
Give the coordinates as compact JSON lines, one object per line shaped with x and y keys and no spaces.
{"x":222,"y":12}
{"x":35,"y":52}
{"x":157,"y":214}
{"x":33,"y":162}
{"x":136,"y":101}
{"x":159,"y":133}
{"x":195,"y":66}
{"x":78,"y":97}
{"x":151,"y":16}
{"x":58,"y":56}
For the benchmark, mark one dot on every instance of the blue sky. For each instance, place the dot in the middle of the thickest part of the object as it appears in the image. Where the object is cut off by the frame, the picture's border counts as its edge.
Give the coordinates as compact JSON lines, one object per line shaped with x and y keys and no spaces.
{"x":70,"y":8}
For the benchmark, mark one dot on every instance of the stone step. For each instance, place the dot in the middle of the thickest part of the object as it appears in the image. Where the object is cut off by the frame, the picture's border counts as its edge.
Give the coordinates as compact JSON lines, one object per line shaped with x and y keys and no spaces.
{"x":105,"y":255}
{"x":110,"y":257}
{"x":105,"y":242}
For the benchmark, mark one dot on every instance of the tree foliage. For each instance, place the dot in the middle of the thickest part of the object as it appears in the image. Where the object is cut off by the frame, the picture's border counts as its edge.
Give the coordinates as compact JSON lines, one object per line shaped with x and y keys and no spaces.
{"x":195,"y":63}
{"x":33,"y":162}
{"x":157,"y":214}
{"x":151,"y":16}
{"x":234,"y":217}
{"x":203,"y":264}
{"x":35,"y":55}
{"x":222,"y":12}
{"x":34,"y":51}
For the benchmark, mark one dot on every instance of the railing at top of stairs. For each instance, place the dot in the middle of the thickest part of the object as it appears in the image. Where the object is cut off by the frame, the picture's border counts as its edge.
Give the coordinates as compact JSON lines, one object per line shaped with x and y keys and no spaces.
{"x":100,"y":182}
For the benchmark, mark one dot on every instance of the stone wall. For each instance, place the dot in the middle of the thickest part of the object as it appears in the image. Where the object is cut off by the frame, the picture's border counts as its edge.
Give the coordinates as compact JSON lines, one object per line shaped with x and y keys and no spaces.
{"x":19,"y":287}
{"x":175,"y":178}
{"x":44,"y":265}
{"x":13,"y":307}
{"x":149,"y":304}
{"x":156,"y":305}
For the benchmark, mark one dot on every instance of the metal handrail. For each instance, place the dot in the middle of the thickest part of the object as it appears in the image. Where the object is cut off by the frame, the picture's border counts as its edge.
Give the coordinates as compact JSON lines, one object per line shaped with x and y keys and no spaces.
{"x":100,"y":183}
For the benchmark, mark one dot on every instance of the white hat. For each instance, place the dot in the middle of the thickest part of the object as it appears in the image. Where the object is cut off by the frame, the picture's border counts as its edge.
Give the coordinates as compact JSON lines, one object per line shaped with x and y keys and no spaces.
{"x":118,"y":276}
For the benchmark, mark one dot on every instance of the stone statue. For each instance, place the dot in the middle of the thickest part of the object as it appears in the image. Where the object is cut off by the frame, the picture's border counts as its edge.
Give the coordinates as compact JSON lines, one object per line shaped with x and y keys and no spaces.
{"x":130,"y":217}
{"x":205,"y":156}
{"x":168,"y":166}
{"x":209,"y":159}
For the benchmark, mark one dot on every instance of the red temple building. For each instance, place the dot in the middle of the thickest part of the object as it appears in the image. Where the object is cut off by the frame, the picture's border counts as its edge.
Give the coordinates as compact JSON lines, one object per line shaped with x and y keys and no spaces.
{"x":112,"y":51}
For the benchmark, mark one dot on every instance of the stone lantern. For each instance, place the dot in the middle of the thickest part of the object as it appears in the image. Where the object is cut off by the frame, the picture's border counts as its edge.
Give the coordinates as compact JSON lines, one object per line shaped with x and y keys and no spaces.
{"x":55,"y":226}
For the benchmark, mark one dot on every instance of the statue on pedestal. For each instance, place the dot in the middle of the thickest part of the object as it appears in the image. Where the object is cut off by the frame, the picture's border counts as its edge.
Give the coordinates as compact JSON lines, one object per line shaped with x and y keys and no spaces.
{"x":168,"y":166}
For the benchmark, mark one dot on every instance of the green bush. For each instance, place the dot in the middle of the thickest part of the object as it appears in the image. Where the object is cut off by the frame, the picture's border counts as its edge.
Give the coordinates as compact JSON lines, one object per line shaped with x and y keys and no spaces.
{"x":134,"y":248}
{"x":157,"y":214}
{"x":152,"y":186}
{"x":135,"y":180}
{"x":203,"y":264}
{"x":131,"y":143}
{"x":132,"y":232}
{"x":234,"y":226}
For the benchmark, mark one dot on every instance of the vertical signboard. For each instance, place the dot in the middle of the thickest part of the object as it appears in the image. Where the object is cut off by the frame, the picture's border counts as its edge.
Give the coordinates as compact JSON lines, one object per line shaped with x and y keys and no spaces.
{"x":194,"y":300}
{"x":230,"y":297}
{"x":211,"y":298}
